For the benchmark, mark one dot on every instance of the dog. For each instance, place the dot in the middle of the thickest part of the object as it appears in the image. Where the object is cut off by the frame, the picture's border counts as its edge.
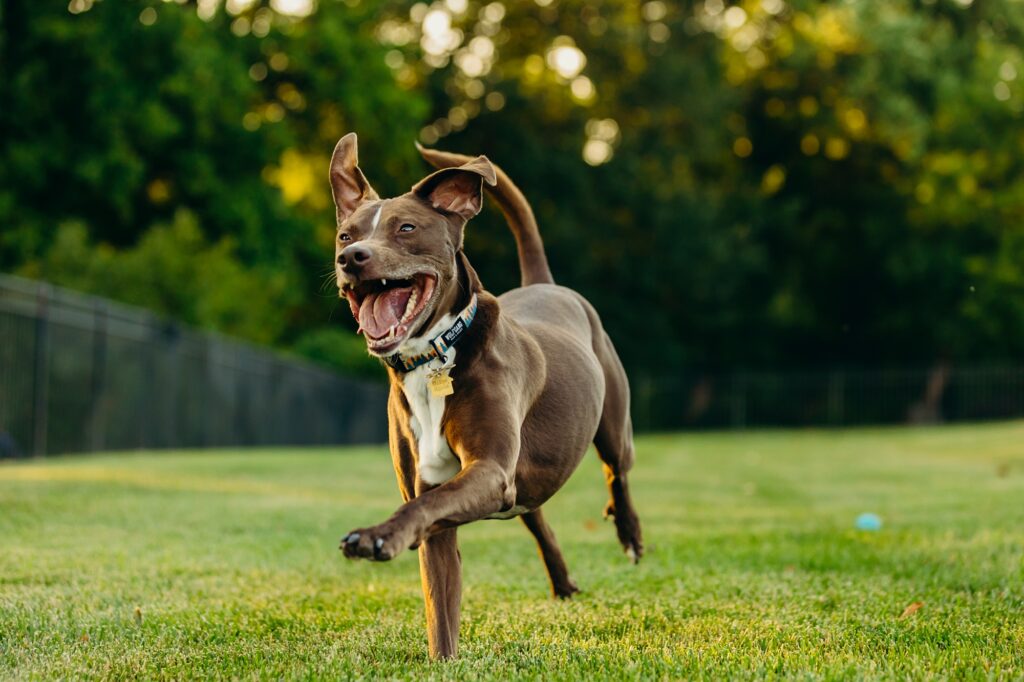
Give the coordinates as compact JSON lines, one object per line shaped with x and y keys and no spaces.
{"x":493,"y":400}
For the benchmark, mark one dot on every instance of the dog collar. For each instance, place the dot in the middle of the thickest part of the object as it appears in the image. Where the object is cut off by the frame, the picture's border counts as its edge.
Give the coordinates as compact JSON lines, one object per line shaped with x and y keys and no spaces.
{"x":439,"y":344}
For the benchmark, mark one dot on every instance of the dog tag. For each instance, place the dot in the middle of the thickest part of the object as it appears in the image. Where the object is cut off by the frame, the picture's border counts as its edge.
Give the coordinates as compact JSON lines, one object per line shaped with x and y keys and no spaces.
{"x":440,"y":383}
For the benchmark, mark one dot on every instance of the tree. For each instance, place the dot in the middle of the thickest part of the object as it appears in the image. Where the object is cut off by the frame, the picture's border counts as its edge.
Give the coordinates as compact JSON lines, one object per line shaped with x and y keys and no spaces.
{"x":758,"y":184}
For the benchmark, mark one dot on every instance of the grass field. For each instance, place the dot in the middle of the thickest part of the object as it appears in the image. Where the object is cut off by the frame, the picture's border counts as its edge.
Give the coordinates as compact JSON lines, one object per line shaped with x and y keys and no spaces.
{"x":224,"y":564}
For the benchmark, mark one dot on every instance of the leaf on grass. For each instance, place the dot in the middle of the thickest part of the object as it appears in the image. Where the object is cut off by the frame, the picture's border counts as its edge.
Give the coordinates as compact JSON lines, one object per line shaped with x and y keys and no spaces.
{"x":911,"y":609}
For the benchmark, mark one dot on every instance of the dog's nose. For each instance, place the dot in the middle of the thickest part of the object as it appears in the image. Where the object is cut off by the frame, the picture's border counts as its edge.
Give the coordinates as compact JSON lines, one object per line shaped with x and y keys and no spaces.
{"x":353,"y":258}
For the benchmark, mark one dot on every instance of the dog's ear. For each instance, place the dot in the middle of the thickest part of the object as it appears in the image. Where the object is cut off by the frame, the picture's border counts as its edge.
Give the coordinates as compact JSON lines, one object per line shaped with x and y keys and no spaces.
{"x":348,"y":184}
{"x":458,"y":189}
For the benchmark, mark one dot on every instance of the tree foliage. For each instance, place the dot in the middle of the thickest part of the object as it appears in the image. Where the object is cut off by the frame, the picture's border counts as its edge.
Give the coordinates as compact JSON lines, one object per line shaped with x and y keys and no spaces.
{"x":765,"y":183}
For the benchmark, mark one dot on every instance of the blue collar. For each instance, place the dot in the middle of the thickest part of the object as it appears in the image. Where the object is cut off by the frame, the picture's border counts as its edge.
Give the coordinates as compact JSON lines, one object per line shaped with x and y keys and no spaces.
{"x":439,"y":344}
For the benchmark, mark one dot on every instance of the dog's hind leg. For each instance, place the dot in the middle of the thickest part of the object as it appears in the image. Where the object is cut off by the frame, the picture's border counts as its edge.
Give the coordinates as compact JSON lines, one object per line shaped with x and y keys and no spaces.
{"x":614,"y":442}
{"x":441,"y":574}
{"x":561,"y":584}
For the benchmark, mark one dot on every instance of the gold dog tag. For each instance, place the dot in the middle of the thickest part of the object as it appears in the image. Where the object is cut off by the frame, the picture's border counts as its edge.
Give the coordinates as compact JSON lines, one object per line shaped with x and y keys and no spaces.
{"x":440,"y":383}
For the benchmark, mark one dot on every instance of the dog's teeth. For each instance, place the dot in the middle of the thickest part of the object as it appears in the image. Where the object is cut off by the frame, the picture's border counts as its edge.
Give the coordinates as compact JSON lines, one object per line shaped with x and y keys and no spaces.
{"x":411,"y":305}
{"x":383,"y":282}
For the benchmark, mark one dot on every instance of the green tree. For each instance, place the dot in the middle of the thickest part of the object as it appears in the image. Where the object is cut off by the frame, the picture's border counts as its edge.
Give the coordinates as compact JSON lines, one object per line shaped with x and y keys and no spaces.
{"x":762,"y":183}
{"x":774,"y":184}
{"x":123,"y":117}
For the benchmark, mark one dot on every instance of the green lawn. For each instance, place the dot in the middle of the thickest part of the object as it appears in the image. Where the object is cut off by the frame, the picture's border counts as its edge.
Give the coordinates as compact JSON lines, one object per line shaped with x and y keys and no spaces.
{"x":225,"y":564}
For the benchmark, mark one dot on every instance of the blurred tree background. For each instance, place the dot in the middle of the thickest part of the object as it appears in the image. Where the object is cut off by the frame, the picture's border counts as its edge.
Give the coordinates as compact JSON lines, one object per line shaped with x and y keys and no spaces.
{"x":760,"y":184}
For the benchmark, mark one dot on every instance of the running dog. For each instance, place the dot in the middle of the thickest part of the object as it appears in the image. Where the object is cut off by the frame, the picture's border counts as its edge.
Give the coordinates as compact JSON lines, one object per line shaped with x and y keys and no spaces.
{"x":493,"y":400}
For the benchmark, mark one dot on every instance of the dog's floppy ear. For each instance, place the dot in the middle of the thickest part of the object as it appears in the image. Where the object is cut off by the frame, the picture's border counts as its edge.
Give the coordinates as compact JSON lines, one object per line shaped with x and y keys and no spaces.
{"x":458,"y":189}
{"x":348,"y":184}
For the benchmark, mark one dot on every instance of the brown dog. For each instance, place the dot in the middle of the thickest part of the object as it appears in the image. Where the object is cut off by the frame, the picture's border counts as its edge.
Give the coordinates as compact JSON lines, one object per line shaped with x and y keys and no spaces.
{"x":493,"y":400}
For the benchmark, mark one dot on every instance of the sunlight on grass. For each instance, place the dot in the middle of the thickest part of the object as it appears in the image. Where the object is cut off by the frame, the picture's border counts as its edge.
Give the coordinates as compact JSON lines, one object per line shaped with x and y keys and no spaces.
{"x":225,"y":564}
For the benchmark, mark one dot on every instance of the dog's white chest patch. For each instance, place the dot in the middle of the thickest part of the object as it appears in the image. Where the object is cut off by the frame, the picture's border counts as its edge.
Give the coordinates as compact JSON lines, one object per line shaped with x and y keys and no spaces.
{"x":435,"y":459}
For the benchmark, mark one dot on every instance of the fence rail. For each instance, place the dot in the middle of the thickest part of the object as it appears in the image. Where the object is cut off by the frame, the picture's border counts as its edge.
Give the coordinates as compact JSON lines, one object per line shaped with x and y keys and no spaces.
{"x":80,"y":374}
{"x":829,"y":398}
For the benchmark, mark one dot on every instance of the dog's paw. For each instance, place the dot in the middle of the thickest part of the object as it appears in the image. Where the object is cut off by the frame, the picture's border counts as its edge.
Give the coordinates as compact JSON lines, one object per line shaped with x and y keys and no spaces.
{"x":627,"y":528}
{"x":565,"y":590}
{"x":380,"y":543}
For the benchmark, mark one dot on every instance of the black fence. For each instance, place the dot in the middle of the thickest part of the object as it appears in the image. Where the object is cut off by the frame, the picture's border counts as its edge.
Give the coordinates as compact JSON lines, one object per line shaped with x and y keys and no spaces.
{"x":829,"y":398}
{"x":80,"y":374}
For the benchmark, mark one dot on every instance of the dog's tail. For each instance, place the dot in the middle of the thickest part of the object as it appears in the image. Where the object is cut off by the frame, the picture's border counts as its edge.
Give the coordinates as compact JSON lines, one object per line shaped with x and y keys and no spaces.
{"x":533,"y":263}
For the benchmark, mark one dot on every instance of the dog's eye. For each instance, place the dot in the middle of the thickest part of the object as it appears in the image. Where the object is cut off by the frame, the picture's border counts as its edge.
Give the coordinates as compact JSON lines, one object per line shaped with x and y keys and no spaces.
{"x":344,"y":237}
{"x":407,"y":228}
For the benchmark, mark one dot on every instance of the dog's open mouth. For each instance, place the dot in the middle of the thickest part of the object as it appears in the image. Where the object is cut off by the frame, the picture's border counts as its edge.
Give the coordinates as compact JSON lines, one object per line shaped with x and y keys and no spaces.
{"x":387,"y":309}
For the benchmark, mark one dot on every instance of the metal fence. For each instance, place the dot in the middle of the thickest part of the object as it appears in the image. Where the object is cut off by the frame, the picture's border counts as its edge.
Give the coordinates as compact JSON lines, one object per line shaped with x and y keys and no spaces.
{"x":80,"y":374}
{"x":829,"y":398}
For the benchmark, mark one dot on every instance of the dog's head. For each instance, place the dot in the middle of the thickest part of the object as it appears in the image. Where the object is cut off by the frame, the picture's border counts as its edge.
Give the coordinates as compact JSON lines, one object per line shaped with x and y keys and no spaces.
{"x":395,"y":259}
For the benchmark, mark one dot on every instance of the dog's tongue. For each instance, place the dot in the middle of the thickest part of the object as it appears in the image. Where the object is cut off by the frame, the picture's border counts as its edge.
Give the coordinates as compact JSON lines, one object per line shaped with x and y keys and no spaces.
{"x":382,"y":311}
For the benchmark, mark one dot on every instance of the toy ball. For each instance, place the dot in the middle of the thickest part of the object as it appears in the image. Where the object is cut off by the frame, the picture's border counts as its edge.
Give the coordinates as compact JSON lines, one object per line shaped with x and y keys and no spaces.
{"x":868,"y":522}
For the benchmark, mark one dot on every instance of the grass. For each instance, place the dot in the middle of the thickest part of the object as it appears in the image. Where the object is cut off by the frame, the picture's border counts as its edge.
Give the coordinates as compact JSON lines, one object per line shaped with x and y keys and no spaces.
{"x":224,"y":564}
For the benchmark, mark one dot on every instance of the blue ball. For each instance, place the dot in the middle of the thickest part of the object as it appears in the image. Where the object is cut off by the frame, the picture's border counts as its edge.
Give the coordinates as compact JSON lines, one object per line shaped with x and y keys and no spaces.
{"x":868,"y":521}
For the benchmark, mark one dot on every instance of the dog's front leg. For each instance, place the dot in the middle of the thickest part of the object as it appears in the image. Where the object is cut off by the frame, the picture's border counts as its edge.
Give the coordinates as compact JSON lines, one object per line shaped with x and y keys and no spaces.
{"x":441,"y":573}
{"x":483,"y":487}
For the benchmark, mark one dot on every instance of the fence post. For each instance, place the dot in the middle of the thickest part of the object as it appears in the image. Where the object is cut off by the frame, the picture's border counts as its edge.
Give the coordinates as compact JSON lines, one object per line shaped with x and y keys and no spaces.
{"x":644,"y":418}
{"x":836,"y":398}
{"x":739,"y":401}
{"x":170,"y":352}
{"x":41,"y":372}
{"x":98,"y":423}
{"x":204,"y":396}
